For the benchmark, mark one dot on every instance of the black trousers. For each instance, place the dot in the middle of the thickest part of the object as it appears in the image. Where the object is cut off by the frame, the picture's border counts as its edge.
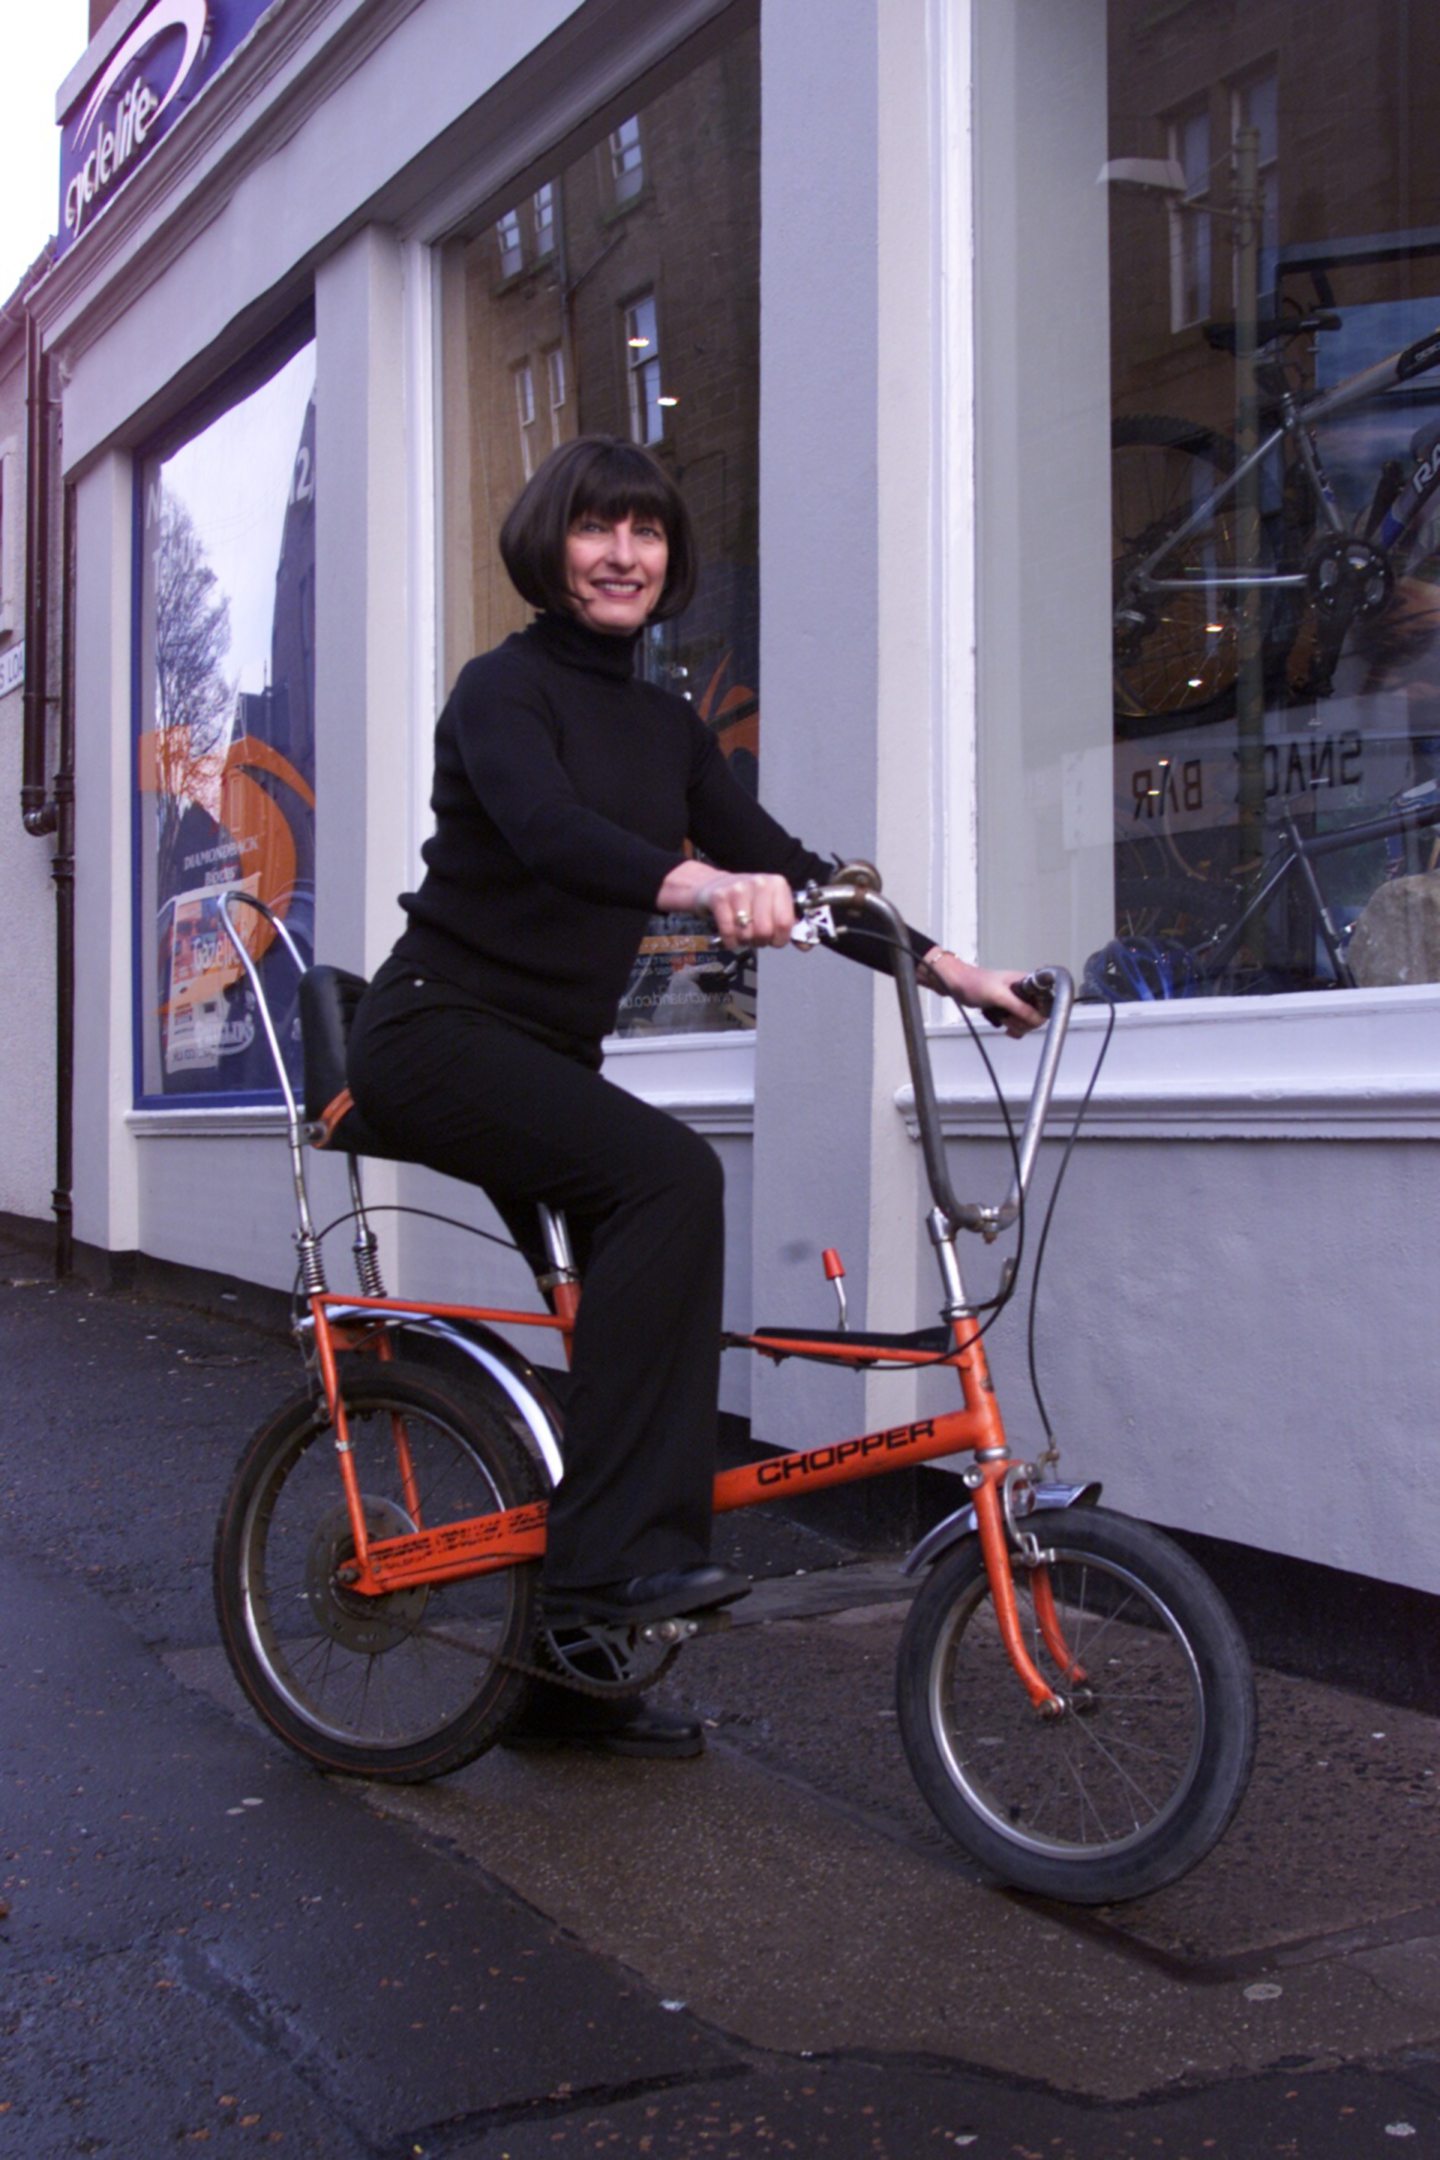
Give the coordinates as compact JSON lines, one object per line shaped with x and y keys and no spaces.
{"x":455,"y":1086}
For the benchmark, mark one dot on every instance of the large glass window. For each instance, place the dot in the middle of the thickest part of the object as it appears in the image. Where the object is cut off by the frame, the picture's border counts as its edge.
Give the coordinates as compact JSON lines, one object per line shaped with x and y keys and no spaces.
{"x":1238,"y":792}
{"x":652,"y":223}
{"x":225,"y":753}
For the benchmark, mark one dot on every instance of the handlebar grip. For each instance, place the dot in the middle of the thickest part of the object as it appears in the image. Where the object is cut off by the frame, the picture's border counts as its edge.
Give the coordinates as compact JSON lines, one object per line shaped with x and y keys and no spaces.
{"x":1038,"y":992}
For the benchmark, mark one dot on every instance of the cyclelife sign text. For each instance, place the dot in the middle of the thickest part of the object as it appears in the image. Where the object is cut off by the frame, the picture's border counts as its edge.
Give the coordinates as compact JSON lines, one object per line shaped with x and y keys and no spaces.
{"x":145,"y":86}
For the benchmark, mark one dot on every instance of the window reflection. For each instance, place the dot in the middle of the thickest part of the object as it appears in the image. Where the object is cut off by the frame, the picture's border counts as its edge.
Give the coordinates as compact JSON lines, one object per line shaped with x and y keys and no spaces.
{"x":642,"y":356}
{"x":627,"y":161}
{"x":653,"y":232}
{"x":1276,"y":417}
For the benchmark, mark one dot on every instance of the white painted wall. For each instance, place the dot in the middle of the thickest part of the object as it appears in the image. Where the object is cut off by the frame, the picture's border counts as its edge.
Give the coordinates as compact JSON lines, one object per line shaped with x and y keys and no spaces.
{"x":848,"y":343}
{"x":106,"y":1184}
{"x":1042,"y":338}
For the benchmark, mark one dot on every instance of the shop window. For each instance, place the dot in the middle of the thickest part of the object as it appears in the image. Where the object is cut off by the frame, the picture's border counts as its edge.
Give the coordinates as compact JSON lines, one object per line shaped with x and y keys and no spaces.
{"x":627,"y":161}
{"x":560,"y":350}
{"x":1218,"y":771}
{"x":225,"y":735}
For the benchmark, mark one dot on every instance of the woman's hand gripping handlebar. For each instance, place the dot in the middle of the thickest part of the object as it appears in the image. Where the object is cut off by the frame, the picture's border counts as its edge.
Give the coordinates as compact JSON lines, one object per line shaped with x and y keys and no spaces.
{"x":1036,"y":991}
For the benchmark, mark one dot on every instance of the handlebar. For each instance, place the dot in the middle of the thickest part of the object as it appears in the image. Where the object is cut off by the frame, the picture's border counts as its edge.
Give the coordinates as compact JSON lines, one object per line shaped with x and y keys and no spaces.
{"x":856,"y":893}
{"x":860,"y":895}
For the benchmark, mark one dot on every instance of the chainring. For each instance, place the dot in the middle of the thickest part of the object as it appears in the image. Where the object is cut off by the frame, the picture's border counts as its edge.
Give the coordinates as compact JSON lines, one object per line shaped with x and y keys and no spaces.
{"x":1347,"y":578}
{"x":616,"y":1659}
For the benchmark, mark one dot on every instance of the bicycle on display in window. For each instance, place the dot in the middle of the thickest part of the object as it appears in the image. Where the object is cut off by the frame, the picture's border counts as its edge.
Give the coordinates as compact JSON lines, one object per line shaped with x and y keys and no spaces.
{"x":1075,"y":1699}
{"x":1190,"y":559}
{"x":1183,"y":934}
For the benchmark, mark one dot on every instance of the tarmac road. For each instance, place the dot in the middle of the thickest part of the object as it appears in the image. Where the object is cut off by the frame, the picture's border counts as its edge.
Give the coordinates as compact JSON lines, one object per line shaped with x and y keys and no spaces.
{"x":771,"y":1950}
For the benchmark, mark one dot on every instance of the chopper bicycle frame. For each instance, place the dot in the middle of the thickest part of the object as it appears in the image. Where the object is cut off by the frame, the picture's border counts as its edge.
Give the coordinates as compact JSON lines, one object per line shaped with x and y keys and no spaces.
{"x":1074,"y":1697}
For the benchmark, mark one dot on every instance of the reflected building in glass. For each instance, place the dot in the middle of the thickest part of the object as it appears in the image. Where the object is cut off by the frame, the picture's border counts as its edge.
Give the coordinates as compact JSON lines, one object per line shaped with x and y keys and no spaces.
{"x":621,"y":297}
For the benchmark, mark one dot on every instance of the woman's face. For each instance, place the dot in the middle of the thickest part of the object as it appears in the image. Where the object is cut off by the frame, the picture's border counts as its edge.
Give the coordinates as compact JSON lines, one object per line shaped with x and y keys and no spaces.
{"x":615,"y":570}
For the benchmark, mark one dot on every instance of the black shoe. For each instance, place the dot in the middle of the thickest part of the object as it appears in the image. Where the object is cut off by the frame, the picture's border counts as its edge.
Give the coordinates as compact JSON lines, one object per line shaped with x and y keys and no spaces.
{"x":555,"y":1717}
{"x":670,"y":1595}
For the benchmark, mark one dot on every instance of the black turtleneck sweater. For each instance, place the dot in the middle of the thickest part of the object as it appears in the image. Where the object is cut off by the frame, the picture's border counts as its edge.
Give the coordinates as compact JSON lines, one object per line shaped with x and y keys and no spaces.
{"x":565,"y":788}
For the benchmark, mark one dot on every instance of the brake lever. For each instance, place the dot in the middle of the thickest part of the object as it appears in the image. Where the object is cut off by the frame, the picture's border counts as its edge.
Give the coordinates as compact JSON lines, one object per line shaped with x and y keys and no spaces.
{"x":815,"y":927}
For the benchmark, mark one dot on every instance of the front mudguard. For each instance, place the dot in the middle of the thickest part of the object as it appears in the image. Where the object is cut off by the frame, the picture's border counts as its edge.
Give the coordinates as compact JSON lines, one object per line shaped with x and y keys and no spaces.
{"x":938,"y":1541}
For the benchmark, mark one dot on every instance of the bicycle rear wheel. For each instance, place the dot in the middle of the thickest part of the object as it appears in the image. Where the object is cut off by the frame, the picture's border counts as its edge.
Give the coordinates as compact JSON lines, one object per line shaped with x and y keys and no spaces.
{"x":406,"y":1686}
{"x":1175,"y":652}
{"x":1140,"y":1776}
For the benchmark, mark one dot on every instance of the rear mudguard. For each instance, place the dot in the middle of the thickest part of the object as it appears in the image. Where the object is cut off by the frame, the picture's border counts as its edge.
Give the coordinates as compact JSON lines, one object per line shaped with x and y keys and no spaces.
{"x":962,"y":1523}
{"x":512,"y":1383}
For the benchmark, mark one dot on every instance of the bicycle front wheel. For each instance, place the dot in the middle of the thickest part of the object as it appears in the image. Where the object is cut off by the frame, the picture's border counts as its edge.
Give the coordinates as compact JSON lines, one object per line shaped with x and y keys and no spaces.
{"x":405,"y":1686}
{"x":1139,"y":1776}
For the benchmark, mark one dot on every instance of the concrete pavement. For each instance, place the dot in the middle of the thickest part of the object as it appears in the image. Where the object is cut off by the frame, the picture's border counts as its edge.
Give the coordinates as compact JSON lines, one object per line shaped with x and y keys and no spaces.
{"x":773,"y":1944}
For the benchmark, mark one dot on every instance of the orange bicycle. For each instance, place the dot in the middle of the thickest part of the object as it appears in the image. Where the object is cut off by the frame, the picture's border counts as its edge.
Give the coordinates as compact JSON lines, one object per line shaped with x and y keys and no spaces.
{"x":1075,"y":1699}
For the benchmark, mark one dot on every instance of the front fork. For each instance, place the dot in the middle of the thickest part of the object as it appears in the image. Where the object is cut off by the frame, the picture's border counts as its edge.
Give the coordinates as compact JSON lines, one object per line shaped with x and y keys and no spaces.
{"x":995,"y":1482}
{"x":1001,"y":1543}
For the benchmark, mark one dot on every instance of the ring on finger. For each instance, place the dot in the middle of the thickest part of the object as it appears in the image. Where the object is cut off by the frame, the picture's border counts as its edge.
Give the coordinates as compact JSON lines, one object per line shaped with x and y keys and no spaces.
{"x":742,"y":917}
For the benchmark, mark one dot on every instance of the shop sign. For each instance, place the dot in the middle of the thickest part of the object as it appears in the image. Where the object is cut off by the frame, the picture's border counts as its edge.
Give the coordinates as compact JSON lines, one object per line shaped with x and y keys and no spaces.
{"x":145,"y":86}
{"x":1190,"y":781}
{"x":12,"y":668}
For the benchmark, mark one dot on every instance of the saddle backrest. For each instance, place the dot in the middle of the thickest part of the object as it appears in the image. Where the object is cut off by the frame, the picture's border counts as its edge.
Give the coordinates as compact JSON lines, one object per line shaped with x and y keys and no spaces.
{"x":328,"y":999}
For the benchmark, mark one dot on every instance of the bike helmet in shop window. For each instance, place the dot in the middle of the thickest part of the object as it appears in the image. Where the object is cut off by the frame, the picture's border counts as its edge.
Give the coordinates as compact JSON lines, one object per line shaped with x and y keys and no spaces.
{"x":1131,"y":969}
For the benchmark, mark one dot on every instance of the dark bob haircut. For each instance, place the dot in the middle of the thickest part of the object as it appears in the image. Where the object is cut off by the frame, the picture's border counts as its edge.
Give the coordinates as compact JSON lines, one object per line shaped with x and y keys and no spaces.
{"x":594,"y":476}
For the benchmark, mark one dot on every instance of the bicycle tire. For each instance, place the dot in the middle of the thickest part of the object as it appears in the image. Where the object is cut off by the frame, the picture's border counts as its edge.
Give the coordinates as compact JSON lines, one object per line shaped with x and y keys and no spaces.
{"x":1175,"y":653}
{"x":1139,"y":1778}
{"x":403,"y":1687}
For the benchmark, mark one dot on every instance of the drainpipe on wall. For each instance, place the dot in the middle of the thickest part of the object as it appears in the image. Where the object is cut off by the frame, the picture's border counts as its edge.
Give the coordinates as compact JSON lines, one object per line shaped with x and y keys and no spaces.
{"x":45,"y":812}
{"x":36,"y":807}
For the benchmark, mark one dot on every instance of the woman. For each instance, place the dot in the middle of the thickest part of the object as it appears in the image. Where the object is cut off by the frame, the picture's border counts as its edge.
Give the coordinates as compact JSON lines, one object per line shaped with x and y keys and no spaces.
{"x":565,"y":791}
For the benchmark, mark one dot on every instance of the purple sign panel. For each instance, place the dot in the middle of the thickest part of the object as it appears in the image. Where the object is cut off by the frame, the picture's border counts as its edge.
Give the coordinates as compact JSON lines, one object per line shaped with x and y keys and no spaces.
{"x":145,"y":86}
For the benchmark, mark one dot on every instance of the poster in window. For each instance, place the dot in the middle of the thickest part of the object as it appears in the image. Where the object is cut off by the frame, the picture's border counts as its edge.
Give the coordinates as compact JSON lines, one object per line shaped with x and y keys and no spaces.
{"x":226,"y":750}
